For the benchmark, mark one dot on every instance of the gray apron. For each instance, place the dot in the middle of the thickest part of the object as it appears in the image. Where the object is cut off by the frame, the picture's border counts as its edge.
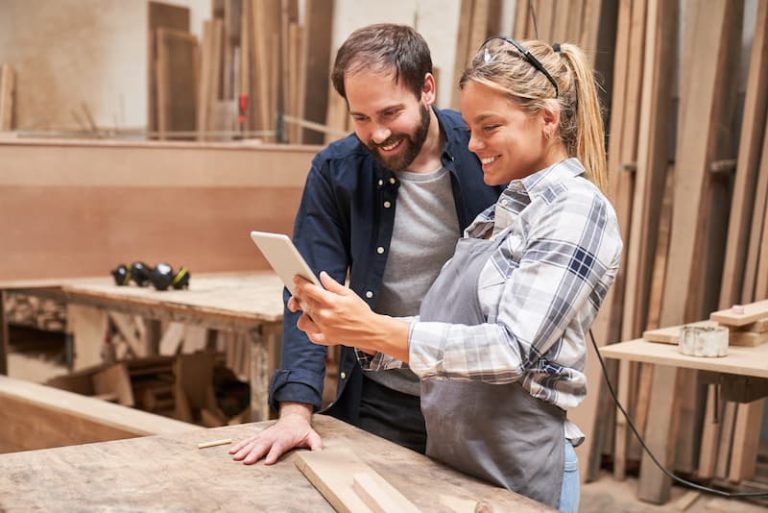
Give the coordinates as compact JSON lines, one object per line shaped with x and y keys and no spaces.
{"x":499,"y":433}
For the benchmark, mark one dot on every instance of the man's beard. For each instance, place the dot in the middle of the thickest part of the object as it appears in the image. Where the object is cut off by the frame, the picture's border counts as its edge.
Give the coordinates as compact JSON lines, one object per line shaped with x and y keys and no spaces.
{"x":413,"y":144}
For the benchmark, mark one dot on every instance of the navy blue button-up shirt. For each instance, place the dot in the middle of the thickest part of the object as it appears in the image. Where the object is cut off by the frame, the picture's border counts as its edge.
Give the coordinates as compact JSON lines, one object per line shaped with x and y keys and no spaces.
{"x":340,"y":223}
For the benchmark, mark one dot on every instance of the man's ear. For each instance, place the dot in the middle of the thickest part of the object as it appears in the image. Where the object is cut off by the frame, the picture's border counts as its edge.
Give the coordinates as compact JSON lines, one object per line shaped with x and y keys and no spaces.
{"x":429,"y":89}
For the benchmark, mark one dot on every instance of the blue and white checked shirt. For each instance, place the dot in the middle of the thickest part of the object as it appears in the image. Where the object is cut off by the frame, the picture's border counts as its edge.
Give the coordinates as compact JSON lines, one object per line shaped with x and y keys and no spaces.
{"x":540,"y":291}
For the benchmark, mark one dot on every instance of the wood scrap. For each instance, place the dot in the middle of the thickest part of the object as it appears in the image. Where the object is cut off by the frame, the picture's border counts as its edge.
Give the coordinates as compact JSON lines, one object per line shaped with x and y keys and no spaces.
{"x":741,"y":315}
{"x":379,"y":495}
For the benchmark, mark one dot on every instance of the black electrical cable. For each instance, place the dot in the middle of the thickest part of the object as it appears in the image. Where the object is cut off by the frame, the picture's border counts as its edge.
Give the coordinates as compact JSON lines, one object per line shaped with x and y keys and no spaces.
{"x":631,"y":424}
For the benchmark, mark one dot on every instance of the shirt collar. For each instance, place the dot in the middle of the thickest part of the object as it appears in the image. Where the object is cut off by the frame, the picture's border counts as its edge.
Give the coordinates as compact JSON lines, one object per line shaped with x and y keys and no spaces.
{"x":541,"y":180}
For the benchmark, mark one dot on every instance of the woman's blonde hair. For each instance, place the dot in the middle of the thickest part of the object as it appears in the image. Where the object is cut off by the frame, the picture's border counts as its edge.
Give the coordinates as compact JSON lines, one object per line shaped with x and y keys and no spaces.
{"x":501,"y":66}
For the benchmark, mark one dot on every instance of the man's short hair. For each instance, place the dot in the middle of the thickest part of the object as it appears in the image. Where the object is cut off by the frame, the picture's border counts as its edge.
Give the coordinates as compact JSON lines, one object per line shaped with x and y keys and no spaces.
{"x":384,"y":47}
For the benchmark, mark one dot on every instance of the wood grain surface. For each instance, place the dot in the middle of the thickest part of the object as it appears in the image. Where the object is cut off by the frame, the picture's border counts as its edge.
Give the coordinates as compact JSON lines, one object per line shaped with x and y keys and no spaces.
{"x":170,"y":474}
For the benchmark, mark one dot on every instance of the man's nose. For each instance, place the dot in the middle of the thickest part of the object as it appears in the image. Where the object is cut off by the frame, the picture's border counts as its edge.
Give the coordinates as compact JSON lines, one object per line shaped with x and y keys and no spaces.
{"x":381,"y":134}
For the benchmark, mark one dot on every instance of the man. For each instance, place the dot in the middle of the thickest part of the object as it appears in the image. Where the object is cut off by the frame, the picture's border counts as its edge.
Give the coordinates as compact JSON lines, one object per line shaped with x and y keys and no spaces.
{"x":386,"y":205}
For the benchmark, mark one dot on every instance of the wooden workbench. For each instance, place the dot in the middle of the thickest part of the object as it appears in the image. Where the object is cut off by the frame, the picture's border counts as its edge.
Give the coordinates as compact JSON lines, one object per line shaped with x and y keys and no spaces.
{"x":240,"y":302}
{"x":742,"y":375}
{"x":169,"y":474}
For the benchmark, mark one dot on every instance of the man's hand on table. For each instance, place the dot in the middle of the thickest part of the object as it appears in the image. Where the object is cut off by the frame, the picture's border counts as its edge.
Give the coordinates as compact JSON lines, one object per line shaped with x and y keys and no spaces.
{"x":292,"y":430}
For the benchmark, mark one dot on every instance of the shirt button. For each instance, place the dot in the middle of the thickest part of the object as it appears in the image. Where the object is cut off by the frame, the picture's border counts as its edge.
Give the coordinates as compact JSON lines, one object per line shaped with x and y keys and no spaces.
{"x":380,"y":250}
{"x":392,"y":181}
{"x":343,"y":375}
{"x":369,"y":294}
{"x":387,"y":204}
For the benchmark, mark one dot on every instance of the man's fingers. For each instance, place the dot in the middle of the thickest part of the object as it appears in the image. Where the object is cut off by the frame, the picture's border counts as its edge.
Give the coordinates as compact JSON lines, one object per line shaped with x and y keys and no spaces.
{"x":275,"y":452}
{"x":332,"y":285}
{"x":251,"y":453}
{"x":314,"y":442}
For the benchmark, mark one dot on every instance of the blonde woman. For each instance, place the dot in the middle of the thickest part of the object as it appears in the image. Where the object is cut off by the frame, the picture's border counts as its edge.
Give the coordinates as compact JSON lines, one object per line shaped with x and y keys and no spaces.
{"x":500,"y":342}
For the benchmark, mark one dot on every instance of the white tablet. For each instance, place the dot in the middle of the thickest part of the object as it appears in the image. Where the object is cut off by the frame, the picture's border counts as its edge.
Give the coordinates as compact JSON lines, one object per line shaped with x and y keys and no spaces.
{"x":284,"y":258}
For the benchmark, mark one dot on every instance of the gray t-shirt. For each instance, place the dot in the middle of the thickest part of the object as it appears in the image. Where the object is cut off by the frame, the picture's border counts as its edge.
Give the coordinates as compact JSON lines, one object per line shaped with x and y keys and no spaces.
{"x":424,"y":237}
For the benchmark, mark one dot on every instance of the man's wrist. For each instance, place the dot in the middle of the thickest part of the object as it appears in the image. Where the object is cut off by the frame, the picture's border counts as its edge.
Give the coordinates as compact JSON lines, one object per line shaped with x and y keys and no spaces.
{"x":298,"y":409}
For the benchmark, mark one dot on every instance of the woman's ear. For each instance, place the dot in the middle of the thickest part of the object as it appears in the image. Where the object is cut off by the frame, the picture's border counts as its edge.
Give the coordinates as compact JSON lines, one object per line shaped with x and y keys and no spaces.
{"x":550,"y":121}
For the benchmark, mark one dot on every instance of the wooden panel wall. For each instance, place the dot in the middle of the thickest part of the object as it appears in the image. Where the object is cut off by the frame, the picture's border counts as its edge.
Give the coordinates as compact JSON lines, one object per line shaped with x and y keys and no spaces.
{"x":80,"y":209}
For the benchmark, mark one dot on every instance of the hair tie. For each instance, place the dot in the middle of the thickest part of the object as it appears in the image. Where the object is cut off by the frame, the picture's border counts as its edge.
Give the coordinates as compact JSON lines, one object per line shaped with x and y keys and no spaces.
{"x":556,"y":47}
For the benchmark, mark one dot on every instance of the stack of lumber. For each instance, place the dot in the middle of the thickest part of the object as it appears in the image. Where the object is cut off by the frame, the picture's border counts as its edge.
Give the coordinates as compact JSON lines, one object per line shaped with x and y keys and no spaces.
{"x":35,"y":312}
{"x":258,"y":71}
{"x":692,"y":219}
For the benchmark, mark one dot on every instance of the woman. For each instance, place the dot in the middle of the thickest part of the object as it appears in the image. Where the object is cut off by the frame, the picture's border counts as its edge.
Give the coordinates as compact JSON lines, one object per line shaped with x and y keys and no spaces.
{"x":500,"y":341}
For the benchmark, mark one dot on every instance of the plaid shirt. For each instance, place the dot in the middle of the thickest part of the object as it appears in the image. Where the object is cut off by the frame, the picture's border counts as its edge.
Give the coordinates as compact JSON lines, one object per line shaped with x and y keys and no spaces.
{"x":539,"y":292}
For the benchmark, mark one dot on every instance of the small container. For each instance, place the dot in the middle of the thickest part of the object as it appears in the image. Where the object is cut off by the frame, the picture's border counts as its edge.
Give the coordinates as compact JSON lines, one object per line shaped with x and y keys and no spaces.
{"x":706,"y":341}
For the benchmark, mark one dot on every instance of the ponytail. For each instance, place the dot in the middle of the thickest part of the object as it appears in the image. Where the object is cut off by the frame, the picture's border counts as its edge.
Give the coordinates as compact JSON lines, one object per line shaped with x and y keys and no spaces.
{"x":590,"y":133}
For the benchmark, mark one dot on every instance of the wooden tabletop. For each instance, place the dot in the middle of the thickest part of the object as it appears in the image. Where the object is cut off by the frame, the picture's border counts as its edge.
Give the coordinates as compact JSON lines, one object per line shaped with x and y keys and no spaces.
{"x":170,"y":474}
{"x":237,"y":297}
{"x":742,"y":361}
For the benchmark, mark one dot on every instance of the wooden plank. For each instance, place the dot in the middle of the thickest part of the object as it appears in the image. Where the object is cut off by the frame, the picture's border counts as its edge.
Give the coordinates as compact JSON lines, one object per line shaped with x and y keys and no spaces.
{"x":521,"y":24}
{"x":315,"y":65}
{"x":5,"y":344}
{"x":210,"y":70}
{"x":760,"y":326}
{"x":562,"y":18}
{"x":172,"y":339}
{"x":7,"y":96}
{"x":746,"y":338}
{"x":89,"y":327}
{"x":381,"y":496}
{"x":746,"y":436}
{"x":606,"y":327}
{"x":177,"y":79}
{"x":757,"y":228}
{"x":40,"y":417}
{"x":761,"y":280}
{"x":742,"y":361}
{"x":713,"y":27}
{"x":463,"y":47}
{"x":710,"y":436}
{"x":751,"y":137}
{"x":160,"y":15}
{"x":726,"y":440}
{"x":545,"y":17}
{"x":751,"y":313}
{"x":650,"y":178}
{"x":654,"y":486}
{"x":671,"y":335}
{"x":115,"y":380}
{"x":49,"y":183}
{"x":698,"y":232}
{"x":620,"y":439}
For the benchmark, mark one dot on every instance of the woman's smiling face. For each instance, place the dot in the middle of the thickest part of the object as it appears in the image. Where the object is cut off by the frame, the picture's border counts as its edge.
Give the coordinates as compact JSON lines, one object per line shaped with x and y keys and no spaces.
{"x":510,"y":142}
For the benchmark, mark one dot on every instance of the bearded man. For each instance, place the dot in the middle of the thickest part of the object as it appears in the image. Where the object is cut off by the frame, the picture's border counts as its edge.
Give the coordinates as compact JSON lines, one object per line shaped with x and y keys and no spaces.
{"x":386,"y":206}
